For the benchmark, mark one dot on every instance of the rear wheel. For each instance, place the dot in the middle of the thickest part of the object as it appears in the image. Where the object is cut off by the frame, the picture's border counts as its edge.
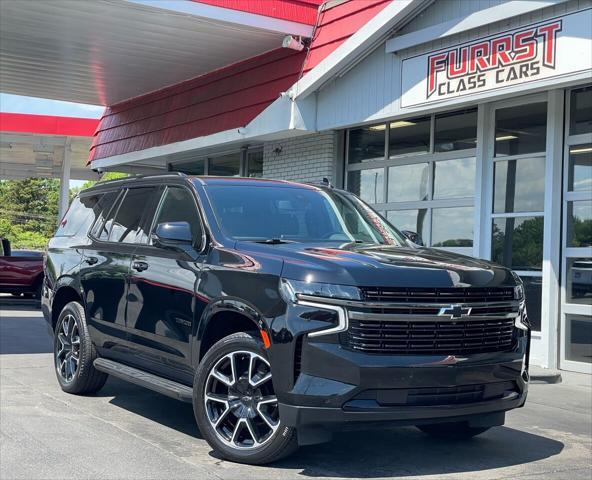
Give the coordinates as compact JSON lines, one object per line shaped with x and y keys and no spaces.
{"x":74,"y":353}
{"x":452,"y":431}
{"x":235,"y":405}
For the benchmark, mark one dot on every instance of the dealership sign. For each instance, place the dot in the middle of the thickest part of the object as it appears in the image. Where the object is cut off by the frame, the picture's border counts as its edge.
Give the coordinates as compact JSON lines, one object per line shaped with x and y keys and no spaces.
{"x":554,"y":48}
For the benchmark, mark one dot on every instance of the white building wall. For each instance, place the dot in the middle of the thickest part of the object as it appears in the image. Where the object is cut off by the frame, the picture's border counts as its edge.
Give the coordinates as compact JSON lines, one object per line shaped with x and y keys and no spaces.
{"x":305,"y":159}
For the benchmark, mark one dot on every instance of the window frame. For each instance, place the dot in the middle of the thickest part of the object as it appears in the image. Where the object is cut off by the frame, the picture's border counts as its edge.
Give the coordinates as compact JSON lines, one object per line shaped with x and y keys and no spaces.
{"x":98,"y":223}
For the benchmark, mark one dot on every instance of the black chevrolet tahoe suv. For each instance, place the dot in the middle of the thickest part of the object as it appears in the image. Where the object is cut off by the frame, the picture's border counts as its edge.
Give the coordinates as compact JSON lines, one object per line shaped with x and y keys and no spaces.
{"x":284,"y":312}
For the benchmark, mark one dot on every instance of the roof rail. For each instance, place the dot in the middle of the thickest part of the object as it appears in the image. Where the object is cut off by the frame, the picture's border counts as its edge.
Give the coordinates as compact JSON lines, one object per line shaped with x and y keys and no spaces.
{"x":138,"y":177}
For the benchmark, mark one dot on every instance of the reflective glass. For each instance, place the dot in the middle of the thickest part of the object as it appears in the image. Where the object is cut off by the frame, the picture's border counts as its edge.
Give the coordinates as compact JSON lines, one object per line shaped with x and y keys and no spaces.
{"x":409,"y":136}
{"x":452,"y":227}
{"x":579,"y":281}
{"x":580,"y":168}
{"x":578,"y":346}
{"x":225,"y":166}
{"x":367,"y":184}
{"x":454,"y":178}
{"x":519,"y":185}
{"x":192,"y":167}
{"x":533,"y":291}
{"x":126,"y":225}
{"x":410,"y":220}
{"x":366,"y":143}
{"x":579,"y":223}
{"x":520,"y":130}
{"x":581,"y":111}
{"x":517,"y":242}
{"x":408,"y":183}
{"x":255,"y":164}
{"x":456,"y":131}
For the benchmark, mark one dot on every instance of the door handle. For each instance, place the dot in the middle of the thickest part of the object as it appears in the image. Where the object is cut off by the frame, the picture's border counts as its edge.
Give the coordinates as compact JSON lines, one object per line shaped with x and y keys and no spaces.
{"x":139,"y":266}
{"x":91,"y":260}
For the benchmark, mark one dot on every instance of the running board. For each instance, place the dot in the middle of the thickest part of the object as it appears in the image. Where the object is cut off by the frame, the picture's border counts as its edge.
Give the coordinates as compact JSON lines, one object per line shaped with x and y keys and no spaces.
{"x":145,"y":379}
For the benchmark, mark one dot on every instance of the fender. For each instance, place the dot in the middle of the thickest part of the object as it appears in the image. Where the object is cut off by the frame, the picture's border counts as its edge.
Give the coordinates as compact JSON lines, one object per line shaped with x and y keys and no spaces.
{"x":226,"y":304}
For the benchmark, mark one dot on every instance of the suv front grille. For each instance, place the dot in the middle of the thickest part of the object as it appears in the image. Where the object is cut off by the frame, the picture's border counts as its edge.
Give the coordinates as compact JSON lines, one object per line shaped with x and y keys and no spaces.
{"x":409,"y":321}
{"x":420,"y":337}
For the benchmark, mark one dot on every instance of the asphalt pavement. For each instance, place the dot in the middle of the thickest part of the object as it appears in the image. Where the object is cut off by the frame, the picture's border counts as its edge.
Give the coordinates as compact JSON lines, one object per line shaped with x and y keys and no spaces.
{"x":125,"y":432}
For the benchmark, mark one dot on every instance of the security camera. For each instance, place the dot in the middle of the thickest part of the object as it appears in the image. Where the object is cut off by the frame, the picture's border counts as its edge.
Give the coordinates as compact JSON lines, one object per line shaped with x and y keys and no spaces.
{"x":293,"y":43}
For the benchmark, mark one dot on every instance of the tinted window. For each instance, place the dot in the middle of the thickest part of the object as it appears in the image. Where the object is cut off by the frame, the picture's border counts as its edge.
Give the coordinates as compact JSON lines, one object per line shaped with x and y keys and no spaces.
{"x":580,"y":168}
{"x":456,"y":131}
{"x":226,"y":166}
{"x":107,"y":204}
{"x":126,"y":225}
{"x":581,"y":111}
{"x":367,"y":184}
{"x":519,"y":185}
{"x":178,"y":205}
{"x":409,"y":136}
{"x":192,"y":167}
{"x":366,"y":144}
{"x":81,"y":215}
{"x":517,"y":243}
{"x":520,"y":130}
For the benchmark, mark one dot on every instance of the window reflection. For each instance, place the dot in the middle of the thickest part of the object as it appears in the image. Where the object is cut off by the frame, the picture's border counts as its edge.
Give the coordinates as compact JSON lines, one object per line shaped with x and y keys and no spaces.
{"x":367,"y":184}
{"x":409,"y":136}
{"x":454,"y":178}
{"x":581,"y":111}
{"x":410,"y":220}
{"x":520,"y":130}
{"x":456,"y":131}
{"x":255,"y":164}
{"x":579,"y":281}
{"x":579,"y":338}
{"x":519,"y":185}
{"x":452,"y":227}
{"x":192,"y":167}
{"x":225,"y":166}
{"x":580,"y":168}
{"x":517,"y":242}
{"x":408,"y":182}
{"x":579,"y":223}
{"x":366,"y":144}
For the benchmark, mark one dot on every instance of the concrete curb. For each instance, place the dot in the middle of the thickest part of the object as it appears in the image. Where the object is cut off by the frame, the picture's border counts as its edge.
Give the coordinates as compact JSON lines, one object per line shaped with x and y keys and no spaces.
{"x":544,"y":375}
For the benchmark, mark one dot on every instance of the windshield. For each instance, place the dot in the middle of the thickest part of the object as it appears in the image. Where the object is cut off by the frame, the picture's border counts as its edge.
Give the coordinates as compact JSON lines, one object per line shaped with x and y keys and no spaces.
{"x":268,"y":213}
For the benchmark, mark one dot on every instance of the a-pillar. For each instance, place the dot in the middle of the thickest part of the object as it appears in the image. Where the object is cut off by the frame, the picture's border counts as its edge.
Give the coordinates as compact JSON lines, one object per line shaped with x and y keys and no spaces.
{"x":64,"y":201}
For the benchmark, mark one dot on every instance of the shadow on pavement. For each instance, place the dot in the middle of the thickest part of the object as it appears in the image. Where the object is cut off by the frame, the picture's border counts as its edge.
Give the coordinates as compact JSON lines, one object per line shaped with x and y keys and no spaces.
{"x":397,"y":452}
{"x":23,"y":330}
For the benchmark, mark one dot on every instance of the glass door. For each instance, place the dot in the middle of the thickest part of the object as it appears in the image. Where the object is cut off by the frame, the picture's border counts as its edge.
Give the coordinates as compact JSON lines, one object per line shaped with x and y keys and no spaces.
{"x":576,"y":288}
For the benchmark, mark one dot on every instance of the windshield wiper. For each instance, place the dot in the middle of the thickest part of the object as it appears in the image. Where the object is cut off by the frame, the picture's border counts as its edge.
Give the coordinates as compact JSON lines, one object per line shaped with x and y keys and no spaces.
{"x":273,"y":241}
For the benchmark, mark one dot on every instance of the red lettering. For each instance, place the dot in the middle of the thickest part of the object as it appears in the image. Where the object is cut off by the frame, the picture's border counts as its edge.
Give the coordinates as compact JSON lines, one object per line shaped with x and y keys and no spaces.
{"x":456,"y":68}
{"x":524,"y":45}
{"x":549,"y":33}
{"x":499,"y":51}
{"x":436,"y":64}
{"x":478,"y":57}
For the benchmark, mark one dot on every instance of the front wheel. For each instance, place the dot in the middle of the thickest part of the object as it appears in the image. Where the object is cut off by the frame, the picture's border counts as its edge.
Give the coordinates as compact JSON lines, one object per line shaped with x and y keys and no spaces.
{"x":235,"y":404}
{"x":452,"y":431}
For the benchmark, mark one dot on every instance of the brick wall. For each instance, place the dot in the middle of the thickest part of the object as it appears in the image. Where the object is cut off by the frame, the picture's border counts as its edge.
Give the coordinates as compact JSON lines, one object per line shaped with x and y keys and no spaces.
{"x":305,"y":159}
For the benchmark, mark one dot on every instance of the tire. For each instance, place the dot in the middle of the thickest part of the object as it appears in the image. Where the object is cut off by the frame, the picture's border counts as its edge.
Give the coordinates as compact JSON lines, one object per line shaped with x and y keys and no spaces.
{"x":77,"y":377}
{"x":452,"y":431}
{"x":251,"y":411}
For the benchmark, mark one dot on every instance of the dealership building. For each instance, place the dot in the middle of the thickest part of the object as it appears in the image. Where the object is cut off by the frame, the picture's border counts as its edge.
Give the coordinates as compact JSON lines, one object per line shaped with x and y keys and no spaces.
{"x":468,"y":122}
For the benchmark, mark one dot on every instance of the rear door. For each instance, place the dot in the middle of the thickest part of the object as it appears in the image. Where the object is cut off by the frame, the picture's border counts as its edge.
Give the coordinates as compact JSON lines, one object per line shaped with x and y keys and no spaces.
{"x":162,"y":303}
{"x":105,"y":270}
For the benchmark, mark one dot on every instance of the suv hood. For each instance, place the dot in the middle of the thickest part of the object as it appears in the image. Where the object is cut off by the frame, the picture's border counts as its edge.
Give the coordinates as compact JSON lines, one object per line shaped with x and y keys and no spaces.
{"x":385,"y":266}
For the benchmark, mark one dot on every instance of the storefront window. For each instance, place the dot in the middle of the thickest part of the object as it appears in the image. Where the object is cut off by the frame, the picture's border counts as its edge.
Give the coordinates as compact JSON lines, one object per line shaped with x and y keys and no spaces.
{"x":452,"y":227}
{"x":519,"y":185}
{"x":409,"y":136}
{"x":521,"y":130}
{"x":408,"y":182}
{"x":255,"y":164}
{"x":533,"y":292}
{"x":410,"y":220}
{"x":366,"y":144}
{"x":192,"y":167}
{"x":517,"y":242}
{"x":456,"y":131}
{"x":580,"y":168}
{"x":579,"y":223}
{"x":367,"y":184}
{"x":225,"y":166}
{"x":581,"y":111}
{"x":454,"y":178}
{"x":579,"y":281}
{"x":579,"y":338}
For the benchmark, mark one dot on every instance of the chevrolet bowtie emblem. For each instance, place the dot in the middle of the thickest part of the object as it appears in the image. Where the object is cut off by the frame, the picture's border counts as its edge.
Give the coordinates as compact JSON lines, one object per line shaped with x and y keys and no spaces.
{"x":455,"y":311}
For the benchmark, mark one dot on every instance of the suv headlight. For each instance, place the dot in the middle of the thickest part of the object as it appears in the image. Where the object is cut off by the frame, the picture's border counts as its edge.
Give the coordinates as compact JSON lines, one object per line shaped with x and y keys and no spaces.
{"x":292,"y":290}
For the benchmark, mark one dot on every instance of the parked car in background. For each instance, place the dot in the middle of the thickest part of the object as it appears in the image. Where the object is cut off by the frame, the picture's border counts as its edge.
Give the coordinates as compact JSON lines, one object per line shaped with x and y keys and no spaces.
{"x":21,"y":271}
{"x":282,"y":311}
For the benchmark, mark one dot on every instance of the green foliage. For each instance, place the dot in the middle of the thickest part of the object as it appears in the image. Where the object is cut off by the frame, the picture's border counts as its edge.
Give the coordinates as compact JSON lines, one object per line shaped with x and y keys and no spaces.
{"x":518,"y":243}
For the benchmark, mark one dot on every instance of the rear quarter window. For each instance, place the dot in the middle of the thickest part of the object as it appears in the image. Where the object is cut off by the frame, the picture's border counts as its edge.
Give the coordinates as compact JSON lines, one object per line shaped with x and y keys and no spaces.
{"x":82,"y":213}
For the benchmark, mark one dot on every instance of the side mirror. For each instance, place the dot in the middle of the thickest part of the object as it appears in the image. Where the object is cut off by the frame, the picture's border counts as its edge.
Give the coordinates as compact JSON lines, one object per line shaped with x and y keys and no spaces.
{"x":413,"y":236}
{"x":174,"y":236}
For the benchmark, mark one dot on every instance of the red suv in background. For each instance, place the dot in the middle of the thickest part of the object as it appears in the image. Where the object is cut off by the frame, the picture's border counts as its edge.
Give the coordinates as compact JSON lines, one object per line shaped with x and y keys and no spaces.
{"x":21,"y":271}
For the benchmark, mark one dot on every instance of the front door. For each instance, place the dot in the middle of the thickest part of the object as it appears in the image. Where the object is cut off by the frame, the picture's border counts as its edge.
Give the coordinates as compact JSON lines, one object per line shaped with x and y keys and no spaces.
{"x":161,"y":301}
{"x":576,"y":288}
